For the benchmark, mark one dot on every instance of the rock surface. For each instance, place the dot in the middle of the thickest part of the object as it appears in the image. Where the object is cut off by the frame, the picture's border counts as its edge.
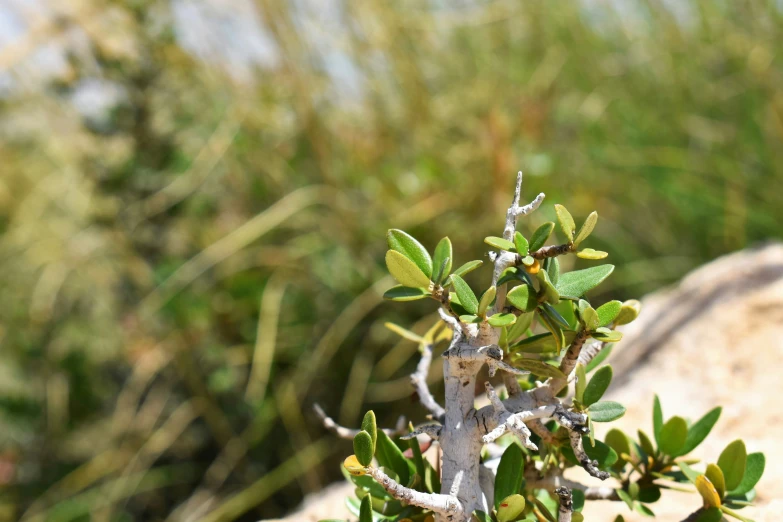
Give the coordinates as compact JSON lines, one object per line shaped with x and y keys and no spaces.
{"x":715,"y":339}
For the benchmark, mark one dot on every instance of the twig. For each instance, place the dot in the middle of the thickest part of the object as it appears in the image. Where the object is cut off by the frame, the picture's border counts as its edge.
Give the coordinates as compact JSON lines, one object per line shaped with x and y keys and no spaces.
{"x":431,"y":430}
{"x":348,"y":433}
{"x":514,"y":422}
{"x":538,"y":427}
{"x":566,"y":504}
{"x":443,"y":504}
{"x":419,"y":381}
{"x":568,"y":364}
{"x":591,"y":466}
{"x":590,"y":351}
{"x":514,"y":211}
{"x":548,"y":251}
{"x":507,"y":259}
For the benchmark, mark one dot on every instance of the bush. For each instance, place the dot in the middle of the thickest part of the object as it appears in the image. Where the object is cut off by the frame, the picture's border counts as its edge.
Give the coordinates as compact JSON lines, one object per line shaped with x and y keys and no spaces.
{"x":505,"y":461}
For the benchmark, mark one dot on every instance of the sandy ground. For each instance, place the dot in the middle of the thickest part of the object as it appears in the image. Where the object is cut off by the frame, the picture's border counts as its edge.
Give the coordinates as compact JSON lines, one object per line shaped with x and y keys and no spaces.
{"x":715,"y":339}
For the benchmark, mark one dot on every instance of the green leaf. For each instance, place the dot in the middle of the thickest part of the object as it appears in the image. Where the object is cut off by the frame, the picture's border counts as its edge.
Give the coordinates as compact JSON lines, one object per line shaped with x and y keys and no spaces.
{"x":431,"y":478}
{"x":554,"y":315}
{"x":365,"y":510}
{"x":754,"y":469}
{"x":657,"y":420}
{"x":551,"y":295}
{"x":629,"y":312}
{"x":523,"y":298}
{"x":715,"y":475}
{"x":625,"y":497}
{"x":633,"y":490}
{"x":566,"y":310}
{"x":597,"y":386}
{"x":508,"y":480}
{"x":521,"y":244}
{"x":481,"y":516}
{"x":499,"y":242}
{"x":418,"y":459}
{"x":577,"y":516}
{"x":587,"y":228}
{"x":486,"y":299}
{"x":650,"y":494}
{"x":732,"y":463}
{"x":598,"y":359}
{"x":544,"y":510}
{"x":405,"y":271}
{"x":645,"y":444}
{"x":556,"y":330}
{"x":644,"y":510}
{"x":442,"y":259}
{"x":512,"y":273}
{"x":581,"y":383}
{"x":363,"y":448}
{"x":405,"y":244}
{"x":369,"y":425}
{"x":468,"y":267}
{"x":390,"y":456}
{"x":405,"y":293}
{"x":553,"y":270}
{"x":608,"y":311}
{"x":578,"y":497}
{"x":712,"y":514}
{"x":589,"y":317}
{"x":673,"y":434}
{"x":606,"y":411}
{"x":521,"y":325}
{"x":689,"y":472}
{"x":502,"y":319}
{"x":541,"y":343}
{"x":466,"y":296}
{"x":618,"y":441}
{"x":403,"y":332}
{"x":707,"y":491}
{"x":589,"y":253}
{"x":699,"y":430}
{"x":510,"y":508}
{"x":528,"y":260}
{"x":577,"y":283}
{"x":539,"y":368}
{"x":567,"y":225}
{"x":470,"y":319}
{"x":540,"y":236}
{"x":606,"y":335}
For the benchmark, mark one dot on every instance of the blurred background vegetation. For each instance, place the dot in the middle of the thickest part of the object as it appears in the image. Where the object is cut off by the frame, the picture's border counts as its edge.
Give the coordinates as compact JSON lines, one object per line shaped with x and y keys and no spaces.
{"x":194,"y":196}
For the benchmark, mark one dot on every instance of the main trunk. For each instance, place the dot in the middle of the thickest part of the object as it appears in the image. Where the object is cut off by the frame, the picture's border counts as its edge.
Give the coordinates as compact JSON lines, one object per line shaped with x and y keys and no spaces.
{"x":460,"y":440}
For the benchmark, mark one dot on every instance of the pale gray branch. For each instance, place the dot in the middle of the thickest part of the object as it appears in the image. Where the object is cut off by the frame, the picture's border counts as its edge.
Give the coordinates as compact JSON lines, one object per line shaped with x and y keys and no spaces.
{"x":566,"y":504}
{"x":348,"y":433}
{"x":431,"y":430}
{"x":508,"y":259}
{"x":419,"y":381}
{"x":591,"y":466}
{"x":514,"y":422}
{"x":555,"y":480}
{"x":443,"y":504}
{"x":514,"y":211}
{"x":589,"y":351}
